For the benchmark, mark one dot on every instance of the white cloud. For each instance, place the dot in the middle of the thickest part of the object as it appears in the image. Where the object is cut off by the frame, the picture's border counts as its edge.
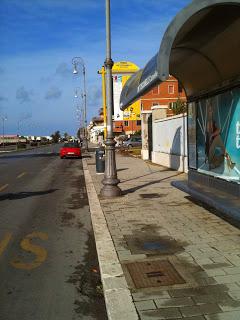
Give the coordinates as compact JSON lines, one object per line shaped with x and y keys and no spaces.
{"x":53,"y":93}
{"x":3,"y":98}
{"x":23,"y":95}
{"x":64,"y":70}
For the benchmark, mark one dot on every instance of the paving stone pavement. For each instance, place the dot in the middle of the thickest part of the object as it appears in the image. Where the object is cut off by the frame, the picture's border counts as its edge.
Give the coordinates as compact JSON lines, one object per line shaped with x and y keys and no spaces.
{"x":153,"y":221}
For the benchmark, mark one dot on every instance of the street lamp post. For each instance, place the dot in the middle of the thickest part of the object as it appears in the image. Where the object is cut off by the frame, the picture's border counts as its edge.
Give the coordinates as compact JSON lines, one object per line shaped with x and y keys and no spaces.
{"x":3,"y":133}
{"x":80,"y":110}
{"x":131,"y":116}
{"x":79,"y":61}
{"x":110,"y":182}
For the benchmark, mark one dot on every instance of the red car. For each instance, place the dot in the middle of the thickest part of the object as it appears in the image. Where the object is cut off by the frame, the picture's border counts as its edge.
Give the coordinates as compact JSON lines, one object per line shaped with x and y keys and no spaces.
{"x":70,"y":149}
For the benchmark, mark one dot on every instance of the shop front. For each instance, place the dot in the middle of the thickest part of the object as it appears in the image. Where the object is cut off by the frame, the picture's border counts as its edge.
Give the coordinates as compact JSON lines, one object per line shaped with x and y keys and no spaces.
{"x":214,"y":135}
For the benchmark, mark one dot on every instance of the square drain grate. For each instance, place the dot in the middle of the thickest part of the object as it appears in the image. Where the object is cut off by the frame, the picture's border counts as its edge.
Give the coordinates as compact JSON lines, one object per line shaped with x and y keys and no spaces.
{"x":153,"y":274}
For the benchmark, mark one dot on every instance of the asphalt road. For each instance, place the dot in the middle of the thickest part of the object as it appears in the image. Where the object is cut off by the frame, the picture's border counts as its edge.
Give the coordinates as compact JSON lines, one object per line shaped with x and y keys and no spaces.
{"x":48,"y":261}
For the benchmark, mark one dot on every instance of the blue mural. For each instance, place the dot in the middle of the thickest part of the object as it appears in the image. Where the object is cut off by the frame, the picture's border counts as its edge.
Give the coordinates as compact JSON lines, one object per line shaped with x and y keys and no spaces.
{"x":218,"y":135}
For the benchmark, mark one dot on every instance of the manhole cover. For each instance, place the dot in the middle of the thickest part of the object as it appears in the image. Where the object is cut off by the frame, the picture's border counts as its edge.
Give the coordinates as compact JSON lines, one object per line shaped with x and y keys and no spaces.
{"x":153,"y":274}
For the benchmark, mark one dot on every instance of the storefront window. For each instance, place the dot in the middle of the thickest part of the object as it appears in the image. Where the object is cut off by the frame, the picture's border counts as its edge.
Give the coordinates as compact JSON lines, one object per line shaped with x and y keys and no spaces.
{"x":218,"y":135}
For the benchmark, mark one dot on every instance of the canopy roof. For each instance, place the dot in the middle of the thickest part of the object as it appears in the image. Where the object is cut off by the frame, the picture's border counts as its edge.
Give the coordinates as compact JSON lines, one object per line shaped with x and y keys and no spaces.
{"x":201,"y":48}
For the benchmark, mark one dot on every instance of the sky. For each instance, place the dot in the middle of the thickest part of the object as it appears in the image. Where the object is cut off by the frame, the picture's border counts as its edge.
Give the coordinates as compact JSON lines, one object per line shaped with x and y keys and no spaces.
{"x":39,"y":38}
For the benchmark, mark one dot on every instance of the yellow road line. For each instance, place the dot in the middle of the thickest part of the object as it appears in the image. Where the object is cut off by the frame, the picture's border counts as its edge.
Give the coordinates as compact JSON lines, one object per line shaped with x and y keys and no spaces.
{"x":21,"y":175}
{"x":4,"y":187}
{"x":4,"y":242}
{"x":39,"y":252}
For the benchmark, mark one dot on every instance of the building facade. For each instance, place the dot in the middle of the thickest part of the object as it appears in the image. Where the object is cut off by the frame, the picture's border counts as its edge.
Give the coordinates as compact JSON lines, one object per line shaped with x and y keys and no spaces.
{"x":158,"y":103}
{"x":129,"y":120}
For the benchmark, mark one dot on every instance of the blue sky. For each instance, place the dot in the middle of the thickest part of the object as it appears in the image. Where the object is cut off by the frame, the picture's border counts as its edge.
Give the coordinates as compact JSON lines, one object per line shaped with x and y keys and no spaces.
{"x":38,"y":40}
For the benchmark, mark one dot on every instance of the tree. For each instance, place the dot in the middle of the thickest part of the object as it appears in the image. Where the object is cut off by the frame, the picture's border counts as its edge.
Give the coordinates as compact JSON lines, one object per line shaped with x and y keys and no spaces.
{"x":66,"y":135}
{"x":179,"y":107}
{"x":56,"y":136}
{"x":138,"y":133}
{"x":100,"y":112}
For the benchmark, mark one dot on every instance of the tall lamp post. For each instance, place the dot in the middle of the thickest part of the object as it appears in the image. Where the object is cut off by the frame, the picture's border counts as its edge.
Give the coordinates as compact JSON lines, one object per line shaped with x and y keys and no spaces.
{"x":110,"y":182}
{"x":3,"y":133}
{"x":79,"y":61}
{"x":80,"y":110}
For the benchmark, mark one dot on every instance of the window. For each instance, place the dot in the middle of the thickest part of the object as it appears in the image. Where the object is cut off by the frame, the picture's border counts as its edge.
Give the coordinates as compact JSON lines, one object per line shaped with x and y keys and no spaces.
{"x":155,"y":104}
{"x":155,"y":90}
{"x":138,"y":122}
{"x":171,"y":89}
{"x":172,"y":105}
{"x":126,"y":123}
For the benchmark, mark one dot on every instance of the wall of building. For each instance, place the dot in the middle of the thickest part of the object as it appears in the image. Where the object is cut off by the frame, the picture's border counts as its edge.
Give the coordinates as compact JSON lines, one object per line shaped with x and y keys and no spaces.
{"x":126,"y":126}
{"x":170,"y":142}
{"x":158,"y":102}
{"x":145,"y":129}
{"x":127,"y":121}
{"x":163,"y":94}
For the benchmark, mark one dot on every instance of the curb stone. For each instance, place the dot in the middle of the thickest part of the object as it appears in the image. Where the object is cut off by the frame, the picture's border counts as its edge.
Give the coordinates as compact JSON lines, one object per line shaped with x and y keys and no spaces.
{"x":118,"y":298}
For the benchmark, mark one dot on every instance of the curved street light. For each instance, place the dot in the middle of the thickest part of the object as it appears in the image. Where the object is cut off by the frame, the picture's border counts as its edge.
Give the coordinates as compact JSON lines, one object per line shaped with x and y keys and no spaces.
{"x":76,"y":61}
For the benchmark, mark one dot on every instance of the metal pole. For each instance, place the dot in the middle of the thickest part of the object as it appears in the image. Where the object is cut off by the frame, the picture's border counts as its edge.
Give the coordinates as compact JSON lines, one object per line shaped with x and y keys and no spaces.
{"x":85,"y":108}
{"x":3,"y":131}
{"x":85,"y":97}
{"x":18,"y":134}
{"x":75,"y":62}
{"x":110,"y":182}
{"x":104,"y":102}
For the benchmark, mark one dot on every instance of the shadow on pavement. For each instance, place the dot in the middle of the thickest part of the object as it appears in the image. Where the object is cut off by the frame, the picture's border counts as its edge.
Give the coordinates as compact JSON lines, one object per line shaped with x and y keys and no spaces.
{"x":231,"y":220}
{"x":36,"y":155}
{"x":148,"y":174}
{"x":122,"y":169}
{"x":131,"y":190}
{"x":22,"y":195}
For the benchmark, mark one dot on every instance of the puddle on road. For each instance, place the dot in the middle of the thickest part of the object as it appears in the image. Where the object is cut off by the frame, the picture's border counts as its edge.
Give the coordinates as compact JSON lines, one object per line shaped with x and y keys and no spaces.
{"x":67,"y":218}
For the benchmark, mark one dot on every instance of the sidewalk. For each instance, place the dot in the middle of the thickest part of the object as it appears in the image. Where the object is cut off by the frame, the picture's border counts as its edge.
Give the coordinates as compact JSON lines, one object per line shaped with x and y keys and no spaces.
{"x":162,"y":255}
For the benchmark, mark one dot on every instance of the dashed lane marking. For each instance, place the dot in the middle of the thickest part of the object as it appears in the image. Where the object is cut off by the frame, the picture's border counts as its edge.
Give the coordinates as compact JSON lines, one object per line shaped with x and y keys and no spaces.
{"x":4,"y":242}
{"x":21,"y":175}
{"x":4,"y":187}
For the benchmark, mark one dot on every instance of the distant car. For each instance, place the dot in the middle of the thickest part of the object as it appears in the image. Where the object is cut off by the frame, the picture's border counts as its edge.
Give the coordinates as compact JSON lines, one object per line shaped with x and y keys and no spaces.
{"x":133,"y":142}
{"x":70,"y":149}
